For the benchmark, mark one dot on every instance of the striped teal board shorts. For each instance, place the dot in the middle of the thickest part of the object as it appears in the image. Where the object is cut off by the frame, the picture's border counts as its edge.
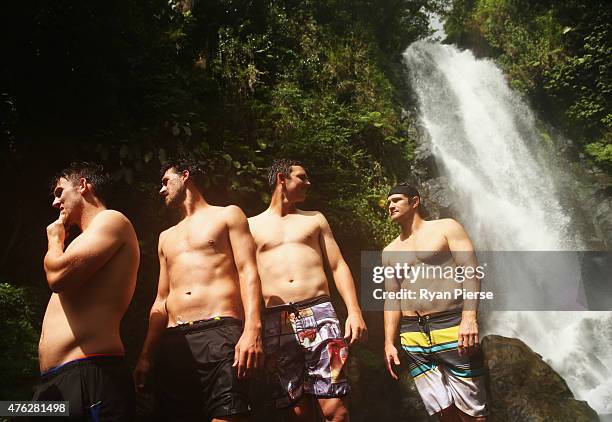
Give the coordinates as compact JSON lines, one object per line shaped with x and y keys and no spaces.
{"x":441,"y":375}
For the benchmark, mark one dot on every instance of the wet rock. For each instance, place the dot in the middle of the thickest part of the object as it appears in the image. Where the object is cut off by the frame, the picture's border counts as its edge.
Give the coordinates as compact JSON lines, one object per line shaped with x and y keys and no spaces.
{"x":436,"y":198}
{"x":522,"y":387}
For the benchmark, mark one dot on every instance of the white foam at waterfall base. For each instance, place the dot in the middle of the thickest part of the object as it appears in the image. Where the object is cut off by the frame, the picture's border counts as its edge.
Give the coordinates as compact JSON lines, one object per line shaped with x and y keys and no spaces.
{"x":484,"y":140}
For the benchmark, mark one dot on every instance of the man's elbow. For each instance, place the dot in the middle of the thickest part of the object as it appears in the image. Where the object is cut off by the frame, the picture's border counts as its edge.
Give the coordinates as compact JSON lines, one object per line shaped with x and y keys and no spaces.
{"x":340,"y":269}
{"x":55,"y":276}
{"x":248,"y":274}
{"x":60,"y":280}
{"x":55,"y":281}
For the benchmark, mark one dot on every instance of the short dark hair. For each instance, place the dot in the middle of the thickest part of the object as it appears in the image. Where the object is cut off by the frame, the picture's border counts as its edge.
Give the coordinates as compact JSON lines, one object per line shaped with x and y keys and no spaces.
{"x":94,"y":173}
{"x":282,"y":165}
{"x":195,"y":169}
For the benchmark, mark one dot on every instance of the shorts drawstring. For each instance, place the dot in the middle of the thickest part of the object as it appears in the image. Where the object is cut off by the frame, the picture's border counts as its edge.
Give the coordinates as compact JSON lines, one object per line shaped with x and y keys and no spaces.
{"x":424,"y":326}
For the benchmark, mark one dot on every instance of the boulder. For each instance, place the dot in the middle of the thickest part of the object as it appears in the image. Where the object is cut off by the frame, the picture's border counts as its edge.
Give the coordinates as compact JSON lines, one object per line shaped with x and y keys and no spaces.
{"x":522,"y":387}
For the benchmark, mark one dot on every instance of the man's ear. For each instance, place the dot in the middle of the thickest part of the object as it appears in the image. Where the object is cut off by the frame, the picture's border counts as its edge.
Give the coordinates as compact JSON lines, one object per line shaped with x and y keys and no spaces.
{"x":280,"y":178}
{"x":185,"y":175}
{"x":83,"y":186}
{"x":416,"y":201}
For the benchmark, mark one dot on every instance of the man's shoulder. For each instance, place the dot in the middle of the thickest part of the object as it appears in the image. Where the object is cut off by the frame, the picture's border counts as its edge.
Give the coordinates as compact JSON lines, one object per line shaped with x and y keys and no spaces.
{"x":111,"y":219}
{"x":444,"y":224}
{"x":258,"y":217}
{"x":257,"y":220}
{"x":308,"y":213}
{"x":392,"y":246}
{"x":314,"y":215}
{"x":231,"y":213}
{"x":167,"y":232}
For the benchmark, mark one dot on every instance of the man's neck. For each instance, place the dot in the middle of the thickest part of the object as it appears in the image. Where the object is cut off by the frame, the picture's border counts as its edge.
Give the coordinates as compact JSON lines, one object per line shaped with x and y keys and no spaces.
{"x":410,"y":225}
{"x":193,"y":202}
{"x":279,"y":204}
{"x":89,"y":213}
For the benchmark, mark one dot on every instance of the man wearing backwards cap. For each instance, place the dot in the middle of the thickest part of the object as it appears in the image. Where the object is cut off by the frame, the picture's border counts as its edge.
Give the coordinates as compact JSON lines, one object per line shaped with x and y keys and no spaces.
{"x":439,"y":336}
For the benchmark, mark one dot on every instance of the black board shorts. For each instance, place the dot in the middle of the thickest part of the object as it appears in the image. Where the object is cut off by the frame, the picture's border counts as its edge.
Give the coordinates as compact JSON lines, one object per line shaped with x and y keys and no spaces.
{"x":195,"y":379}
{"x":98,"y":388}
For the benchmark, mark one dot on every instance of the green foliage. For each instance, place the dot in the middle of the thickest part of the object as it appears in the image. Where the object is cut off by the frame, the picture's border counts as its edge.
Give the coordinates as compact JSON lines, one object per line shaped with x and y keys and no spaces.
{"x":601,"y":153}
{"x":18,"y":344}
{"x":558,"y":53}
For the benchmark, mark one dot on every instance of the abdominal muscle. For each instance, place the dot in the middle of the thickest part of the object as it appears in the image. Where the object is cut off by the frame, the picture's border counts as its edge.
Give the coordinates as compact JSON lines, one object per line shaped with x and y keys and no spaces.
{"x":439,"y":296}
{"x":203,"y":287}
{"x":291,"y":273}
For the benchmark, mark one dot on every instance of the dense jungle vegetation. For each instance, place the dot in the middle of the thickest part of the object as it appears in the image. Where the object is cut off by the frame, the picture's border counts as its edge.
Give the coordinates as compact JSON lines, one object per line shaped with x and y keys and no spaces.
{"x":236,"y":83}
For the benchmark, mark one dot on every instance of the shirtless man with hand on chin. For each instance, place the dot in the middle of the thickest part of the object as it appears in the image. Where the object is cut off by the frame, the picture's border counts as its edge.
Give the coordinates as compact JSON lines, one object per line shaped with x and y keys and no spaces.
{"x":93,"y":280}
{"x":204,"y":327}
{"x":305,"y":349}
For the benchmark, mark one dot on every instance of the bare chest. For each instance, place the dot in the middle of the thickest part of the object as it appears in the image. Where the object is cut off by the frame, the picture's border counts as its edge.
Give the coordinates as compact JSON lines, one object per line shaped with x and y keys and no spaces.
{"x":282,"y":232}
{"x":427,"y":248}
{"x":197,"y":236}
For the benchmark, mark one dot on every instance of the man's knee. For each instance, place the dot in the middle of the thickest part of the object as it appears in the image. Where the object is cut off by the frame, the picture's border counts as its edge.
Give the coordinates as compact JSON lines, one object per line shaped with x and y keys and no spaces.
{"x":334,"y":410}
{"x":302,"y":411}
{"x":454,"y":414}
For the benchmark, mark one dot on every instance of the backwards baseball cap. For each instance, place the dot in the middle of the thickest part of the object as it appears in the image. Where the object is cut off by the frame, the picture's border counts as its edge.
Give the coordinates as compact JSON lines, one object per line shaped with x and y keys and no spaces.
{"x":407,"y":190}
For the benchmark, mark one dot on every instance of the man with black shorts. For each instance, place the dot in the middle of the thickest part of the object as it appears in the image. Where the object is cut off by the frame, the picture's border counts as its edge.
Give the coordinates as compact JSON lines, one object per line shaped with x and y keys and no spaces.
{"x":204,"y":326}
{"x":306,"y":351}
{"x":92,"y":279}
{"x":440,"y":337}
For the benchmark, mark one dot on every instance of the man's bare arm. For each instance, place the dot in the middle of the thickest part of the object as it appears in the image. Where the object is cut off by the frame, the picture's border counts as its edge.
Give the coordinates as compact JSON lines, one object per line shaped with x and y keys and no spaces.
{"x":249,"y":350}
{"x":355,"y":325}
{"x":86,"y":254}
{"x":392,"y":315}
{"x":158,"y":321}
{"x":462,"y":249}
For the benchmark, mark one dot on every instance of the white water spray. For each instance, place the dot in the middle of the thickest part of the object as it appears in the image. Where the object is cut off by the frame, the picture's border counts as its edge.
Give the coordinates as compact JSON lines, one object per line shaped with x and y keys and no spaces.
{"x":485,"y":141}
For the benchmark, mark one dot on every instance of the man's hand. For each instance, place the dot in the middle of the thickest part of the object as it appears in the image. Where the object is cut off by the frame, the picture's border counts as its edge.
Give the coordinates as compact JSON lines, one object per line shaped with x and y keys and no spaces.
{"x":57,"y":230}
{"x":140,"y":373}
{"x":391,"y":359}
{"x":467,"y":342}
{"x":355,"y":329}
{"x":248,"y":356}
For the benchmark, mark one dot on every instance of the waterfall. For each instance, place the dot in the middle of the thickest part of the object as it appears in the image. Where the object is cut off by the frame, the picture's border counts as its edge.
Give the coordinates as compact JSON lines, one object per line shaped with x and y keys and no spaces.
{"x":503,"y":189}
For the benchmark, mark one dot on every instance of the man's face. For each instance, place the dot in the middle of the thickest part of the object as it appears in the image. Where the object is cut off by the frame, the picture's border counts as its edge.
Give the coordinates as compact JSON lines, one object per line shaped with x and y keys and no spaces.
{"x":399,"y":206}
{"x":173,"y":188}
{"x":68,"y":200}
{"x":297,"y":184}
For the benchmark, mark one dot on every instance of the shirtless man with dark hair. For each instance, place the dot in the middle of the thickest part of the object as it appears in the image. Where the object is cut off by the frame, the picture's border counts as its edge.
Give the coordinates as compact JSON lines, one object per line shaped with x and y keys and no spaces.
{"x":305,"y":349}
{"x":440,"y":337}
{"x":204,"y":326}
{"x":93,"y":279}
